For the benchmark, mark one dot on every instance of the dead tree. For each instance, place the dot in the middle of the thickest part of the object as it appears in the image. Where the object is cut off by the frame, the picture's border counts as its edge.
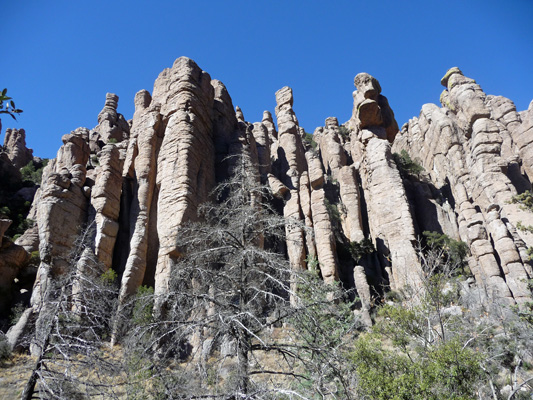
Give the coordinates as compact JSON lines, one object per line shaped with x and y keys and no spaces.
{"x":72,"y":329}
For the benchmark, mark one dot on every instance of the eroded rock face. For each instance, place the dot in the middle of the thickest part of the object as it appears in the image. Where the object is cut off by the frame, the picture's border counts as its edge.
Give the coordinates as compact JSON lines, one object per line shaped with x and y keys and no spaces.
{"x":291,"y":163}
{"x":111,"y":124}
{"x":332,"y":152}
{"x":392,"y":228}
{"x":105,"y":199}
{"x":63,"y":204}
{"x":473,"y":145}
{"x":351,"y":198}
{"x":15,"y":147}
{"x":185,"y":162}
{"x":148,"y":134}
{"x":391,"y":224}
{"x":291,"y":156}
{"x":476,"y":149}
{"x":370,"y":108}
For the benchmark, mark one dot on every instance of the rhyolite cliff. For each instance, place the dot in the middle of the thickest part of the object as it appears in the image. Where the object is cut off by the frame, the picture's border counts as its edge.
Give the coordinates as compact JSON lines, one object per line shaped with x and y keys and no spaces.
{"x":137,"y":181}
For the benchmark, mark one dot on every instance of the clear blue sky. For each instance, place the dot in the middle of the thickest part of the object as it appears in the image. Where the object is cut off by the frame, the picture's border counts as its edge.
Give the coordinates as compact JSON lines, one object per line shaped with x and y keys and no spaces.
{"x":59,"y":58}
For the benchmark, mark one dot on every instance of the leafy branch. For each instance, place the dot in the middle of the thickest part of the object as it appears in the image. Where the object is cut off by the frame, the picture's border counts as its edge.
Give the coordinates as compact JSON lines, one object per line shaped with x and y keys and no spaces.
{"x":9,"y":107}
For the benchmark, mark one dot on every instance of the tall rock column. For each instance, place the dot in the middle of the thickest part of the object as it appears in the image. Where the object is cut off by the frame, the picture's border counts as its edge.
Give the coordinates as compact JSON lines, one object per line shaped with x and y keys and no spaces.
{"x":61,"y":211}
{"x":106,"y":192}
{"x":471,"y":145}
{"x":185,"y":174}
{"x":268,"y":123}
{"x":391,"y":225}
{"x":63,"y":202}
{"x":332,"y":152}
{"x":291,"y":164}
{"x":111,"y":124}
{"x":488,"y":185}
{"x":261,"y":136}
{"x":15,"y":147}
{"x":147,"y":136}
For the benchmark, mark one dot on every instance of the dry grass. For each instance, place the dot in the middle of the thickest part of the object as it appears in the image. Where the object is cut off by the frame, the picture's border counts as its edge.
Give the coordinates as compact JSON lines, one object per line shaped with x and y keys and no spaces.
{"x":14,"y":372}
{"x":219,"y":371}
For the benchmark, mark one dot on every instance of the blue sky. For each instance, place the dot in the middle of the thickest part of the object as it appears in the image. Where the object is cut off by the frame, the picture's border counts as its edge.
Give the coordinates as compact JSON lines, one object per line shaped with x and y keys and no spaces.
{"x":59,"y":58}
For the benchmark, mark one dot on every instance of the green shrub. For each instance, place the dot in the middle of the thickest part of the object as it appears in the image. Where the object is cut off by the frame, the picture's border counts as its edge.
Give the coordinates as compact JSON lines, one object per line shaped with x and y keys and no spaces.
{"x":5,"y":348}
{"x":524,"y":228}
{"x":344,"y":131}
{"x":310,"y":141}
{"x":445,"y":371}
{"x":35,"y":258}
{"x":524,"y":199}
{"x":143,"y":305}
{"x":94,"y":160}
{"x":406,"y":165}
{"x":32,"y":174}
{"x":453,"y":251}
{"x":333,"y":211}
{"x":526,"y":203}
{"x":17,"y":213}
{"x":312,"y":264}
{"x":109,"y":277}
{"x":16,"y":312}
{"x":360,"y":249}
{"x":112,"y":141}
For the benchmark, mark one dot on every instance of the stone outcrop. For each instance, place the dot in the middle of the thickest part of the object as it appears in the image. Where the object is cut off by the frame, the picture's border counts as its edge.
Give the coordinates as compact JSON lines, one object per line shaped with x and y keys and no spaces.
{"x":105,"y":200}
{"x":351,"y":199}
{"x":392,"y":225}
{"x":15,"y":147}
{"x":146,"y":139}
{"x":133,"y":184}
{"x":474,"y":145}
{"x":370,"y":108}
{"x":111,"y":124}
{"x":332,"y":152}
{"x":290,"y":164}
{"x":62,"y":207}
{"x":185,"y":161}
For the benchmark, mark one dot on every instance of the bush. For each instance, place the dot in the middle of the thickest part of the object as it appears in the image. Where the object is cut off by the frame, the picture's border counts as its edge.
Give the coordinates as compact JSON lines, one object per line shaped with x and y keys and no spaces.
{"x":32,"y":174}
{"x":312,"y":264}
{"x":446,"y":371}
{"x":344,"y":131}
{"x":16,"y":312}
{"x":17,"y":212}
{"x":360,"y":249}
{"x":333,"y":212}
{"x":143,"y":305}
{"x":525,"y":200}
{"x":406,"y":165}
{"x":308,"y":139}
{"x":35,"y":258}
{"x":453,"y":251}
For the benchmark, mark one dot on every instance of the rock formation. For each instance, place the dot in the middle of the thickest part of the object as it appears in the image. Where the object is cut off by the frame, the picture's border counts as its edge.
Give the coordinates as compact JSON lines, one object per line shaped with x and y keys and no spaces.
{"x":15,"y":147}
{"x":473,"y":147}
{"x":131,"y":185}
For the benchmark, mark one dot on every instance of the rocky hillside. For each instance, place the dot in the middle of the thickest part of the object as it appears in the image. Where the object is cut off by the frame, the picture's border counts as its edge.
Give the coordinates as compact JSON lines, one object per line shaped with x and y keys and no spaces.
{"x":136,"y":182}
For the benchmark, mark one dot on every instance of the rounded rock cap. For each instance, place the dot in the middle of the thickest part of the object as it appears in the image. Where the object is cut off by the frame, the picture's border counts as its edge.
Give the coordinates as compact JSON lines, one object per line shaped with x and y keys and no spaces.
{"x":363,"y":77}
{"x":450,"y":72}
